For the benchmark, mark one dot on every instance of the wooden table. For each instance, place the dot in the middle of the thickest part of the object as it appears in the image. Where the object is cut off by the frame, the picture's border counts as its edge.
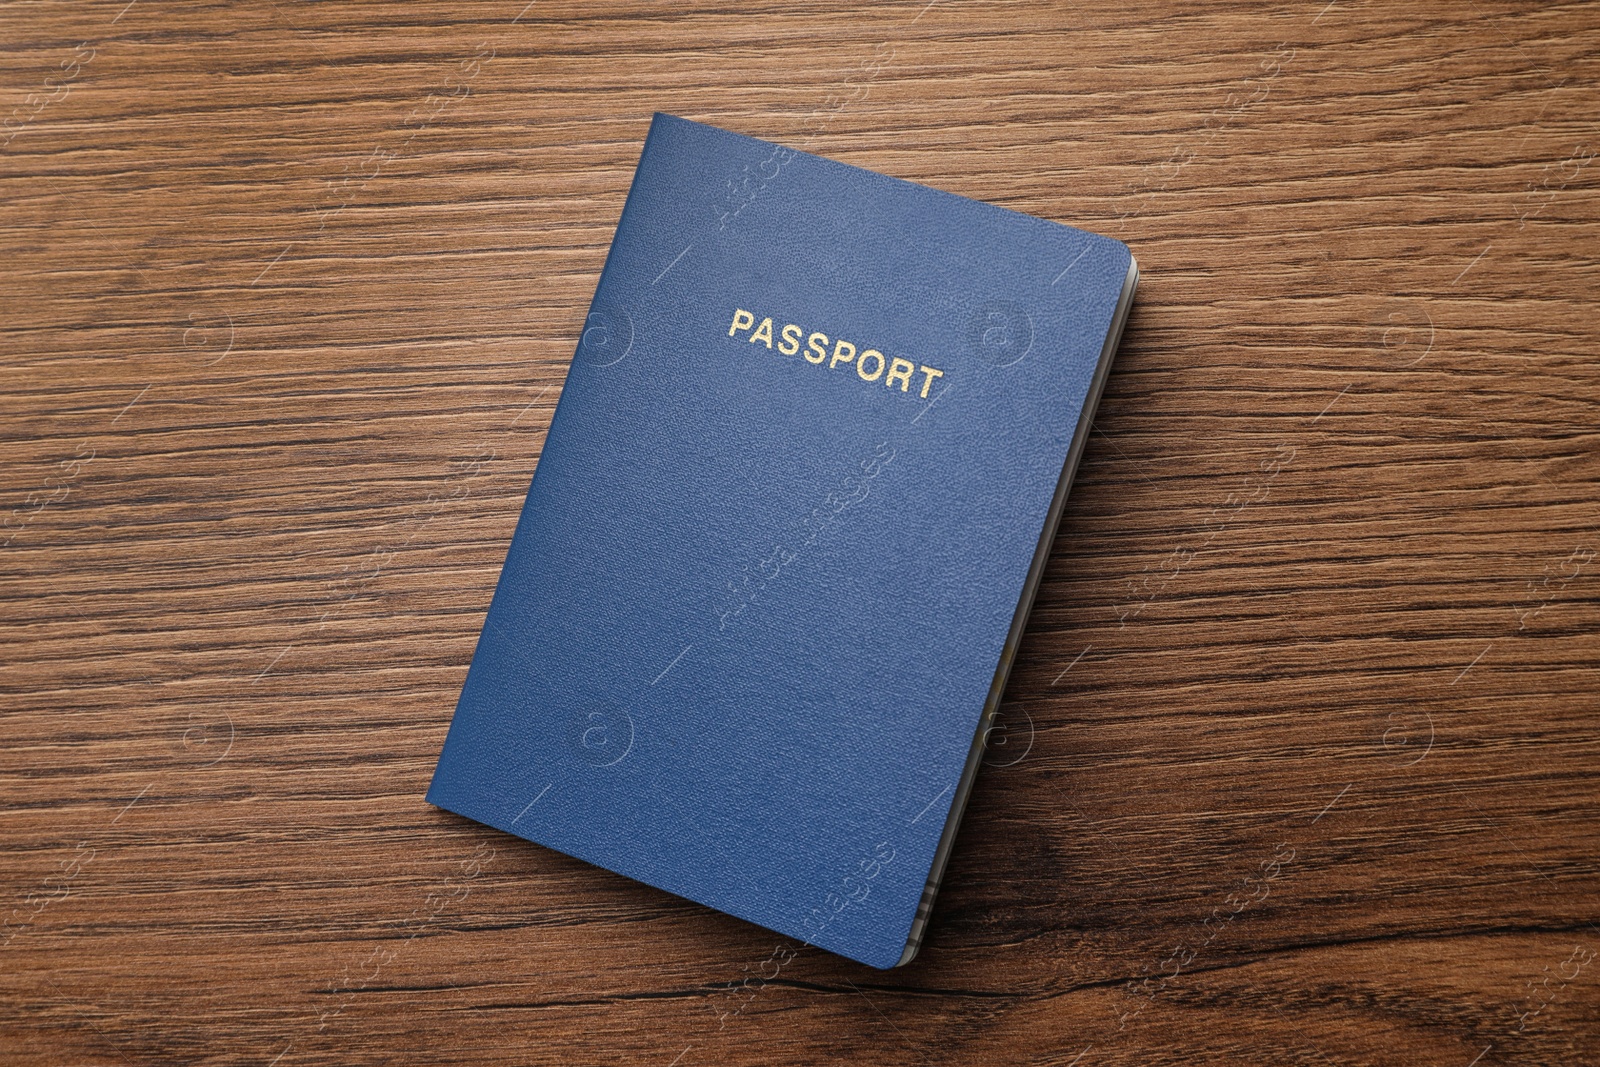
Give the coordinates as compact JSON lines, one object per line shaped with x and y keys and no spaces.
{"x":1299,"y":757}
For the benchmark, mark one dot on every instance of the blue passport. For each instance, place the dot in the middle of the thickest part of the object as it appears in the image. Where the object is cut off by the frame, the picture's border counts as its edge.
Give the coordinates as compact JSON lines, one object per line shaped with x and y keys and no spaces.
{"x":784,"y":535}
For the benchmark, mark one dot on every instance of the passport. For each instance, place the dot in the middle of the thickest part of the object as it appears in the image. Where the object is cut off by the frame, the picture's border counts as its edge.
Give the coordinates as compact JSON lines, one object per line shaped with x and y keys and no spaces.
{"x":784,"y":534}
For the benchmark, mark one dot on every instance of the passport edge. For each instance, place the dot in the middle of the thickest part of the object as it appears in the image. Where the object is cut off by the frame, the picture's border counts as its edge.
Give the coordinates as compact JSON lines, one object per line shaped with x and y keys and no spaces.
{"x":1019,"y":622}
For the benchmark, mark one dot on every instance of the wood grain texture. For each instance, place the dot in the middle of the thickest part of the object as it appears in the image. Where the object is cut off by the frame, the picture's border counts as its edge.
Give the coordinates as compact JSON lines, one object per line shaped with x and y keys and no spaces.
{"x":1300,"y":752}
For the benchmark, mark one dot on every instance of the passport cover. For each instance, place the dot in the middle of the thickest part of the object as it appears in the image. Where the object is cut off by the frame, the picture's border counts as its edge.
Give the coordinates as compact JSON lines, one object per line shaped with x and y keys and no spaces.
{"x":784,"y":535}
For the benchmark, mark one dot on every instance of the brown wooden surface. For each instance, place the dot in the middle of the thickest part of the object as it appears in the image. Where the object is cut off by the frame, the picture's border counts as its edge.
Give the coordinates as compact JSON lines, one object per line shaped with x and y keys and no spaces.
{"x":1302,"y":745}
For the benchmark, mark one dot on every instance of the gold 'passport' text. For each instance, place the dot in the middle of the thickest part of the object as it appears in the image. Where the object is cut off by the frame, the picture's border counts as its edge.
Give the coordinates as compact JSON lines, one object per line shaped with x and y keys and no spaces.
{"x":870,"y":365}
